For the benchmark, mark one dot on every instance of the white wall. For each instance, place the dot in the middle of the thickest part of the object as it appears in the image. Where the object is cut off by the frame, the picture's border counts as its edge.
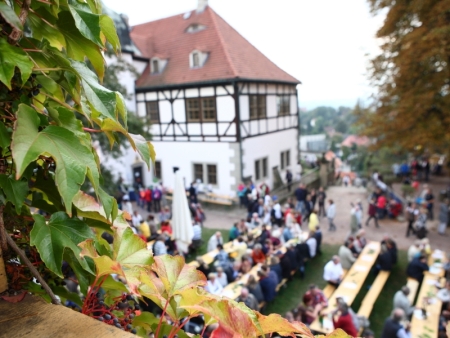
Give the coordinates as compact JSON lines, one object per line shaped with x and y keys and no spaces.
{"x":270,"y":146}
{"x":184,"y":154}
{"x":304,"y":139}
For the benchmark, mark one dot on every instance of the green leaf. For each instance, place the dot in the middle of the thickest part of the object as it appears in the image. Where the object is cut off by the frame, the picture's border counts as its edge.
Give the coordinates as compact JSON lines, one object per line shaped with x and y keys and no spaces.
{"x":109,"y":30}
{"x":101,"y":99}
{"x":85,"y":277}
{"x":5,"y":136}
{"x":73,"y":160}
{"x":15,"y":191}
{"x":78,"y":47}
{"x":46,"y":185}
{"x":63,"y":293}
{"x":52,"y":237}
{"x":10,"y":16}
{"x":87,"y":23}
{"x":48,"y":31}
{"x":10,"y":58}
{"x":145,"y":320}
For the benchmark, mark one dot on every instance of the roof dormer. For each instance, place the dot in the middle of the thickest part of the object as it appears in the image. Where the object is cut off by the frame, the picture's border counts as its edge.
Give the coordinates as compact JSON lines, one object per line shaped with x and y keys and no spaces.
{"x":157,"y":65}
{"x":197,"y":59}
{"x":195,"y":27}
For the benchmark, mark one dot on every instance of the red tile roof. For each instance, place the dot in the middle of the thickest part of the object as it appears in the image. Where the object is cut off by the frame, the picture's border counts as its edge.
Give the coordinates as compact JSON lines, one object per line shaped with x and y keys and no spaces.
{"x":231,"y":56}
{"x":358,"y":140}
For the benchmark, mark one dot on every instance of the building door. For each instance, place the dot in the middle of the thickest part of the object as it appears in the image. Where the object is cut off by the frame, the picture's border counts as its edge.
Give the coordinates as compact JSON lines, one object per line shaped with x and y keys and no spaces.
{"x":138,"y":178}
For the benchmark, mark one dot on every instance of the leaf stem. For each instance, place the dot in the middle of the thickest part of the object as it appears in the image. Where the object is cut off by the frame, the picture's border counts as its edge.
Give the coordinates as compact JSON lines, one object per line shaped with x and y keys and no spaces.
{"x":92,"y":130}
{"x":161,"y":319}
{"x":17,"y":33}
{"x":172,"y":334}
{"x":30,"y":266}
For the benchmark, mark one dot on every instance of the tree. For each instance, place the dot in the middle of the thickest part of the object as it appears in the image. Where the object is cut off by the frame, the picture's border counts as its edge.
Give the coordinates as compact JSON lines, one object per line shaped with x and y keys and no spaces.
{"x":50,"y":105}
{"x":412,"y":76}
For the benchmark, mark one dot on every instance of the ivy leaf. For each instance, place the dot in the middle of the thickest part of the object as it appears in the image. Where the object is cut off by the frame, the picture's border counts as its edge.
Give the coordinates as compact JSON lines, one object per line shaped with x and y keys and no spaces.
{"x":85,"y":277}
{"x":5,"y":136}
{"x":10,"y":58}
{"x":130,"y":257}
{"x":101,"y":99}
{"x":73,"y":160}
{"x":10,"y":16}
{"x":46,"y":185}
{"x":144,"y":148}
{"x":52,"y":237}
{"x":109,"y":30}
{"x":78,"y":47}
{"x":43,"y":31}
{"x":15,"y":191}
{"x":232,"y":316}
{"x":175,"y":275}
{"x":87,"y":23}
{"x":276,"y":323}
{"x":145,"y":320}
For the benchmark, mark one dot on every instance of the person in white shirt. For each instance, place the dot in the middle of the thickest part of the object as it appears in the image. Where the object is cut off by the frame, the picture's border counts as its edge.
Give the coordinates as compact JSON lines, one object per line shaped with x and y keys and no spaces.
{"x":197,"y":230}
{"x":331,"y":214}
{"x":333,"y":271}
{"x":214,"y":241}
{"x":221,"y":276}
{"x":414,"y":250}
{"x":312,"y":245}
{"x":267,"y":200}
{"x":159,"y":248}
{"x":213,"y":285}
{"x":126,"y":205}
{"x":136,"y":219}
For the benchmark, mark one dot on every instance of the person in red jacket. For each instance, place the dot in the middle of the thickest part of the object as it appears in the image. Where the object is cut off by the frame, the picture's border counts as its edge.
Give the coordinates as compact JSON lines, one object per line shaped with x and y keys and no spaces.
{"x":381,"y":206}
{"x":345,"y":321}
{"x":373,"y":212}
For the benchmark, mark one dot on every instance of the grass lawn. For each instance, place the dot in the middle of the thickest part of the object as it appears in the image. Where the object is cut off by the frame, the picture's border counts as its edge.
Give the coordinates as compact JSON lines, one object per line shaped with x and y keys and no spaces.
{"x":290,"y":296}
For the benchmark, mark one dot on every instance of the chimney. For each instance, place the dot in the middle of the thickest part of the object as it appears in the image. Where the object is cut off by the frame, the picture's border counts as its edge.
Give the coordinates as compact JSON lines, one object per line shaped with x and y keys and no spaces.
{"x":202,"y":4}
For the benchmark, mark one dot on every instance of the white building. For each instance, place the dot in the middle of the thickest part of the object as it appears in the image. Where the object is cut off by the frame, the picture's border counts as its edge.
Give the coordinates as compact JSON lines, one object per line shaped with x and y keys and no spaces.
{"x":219,"y":109}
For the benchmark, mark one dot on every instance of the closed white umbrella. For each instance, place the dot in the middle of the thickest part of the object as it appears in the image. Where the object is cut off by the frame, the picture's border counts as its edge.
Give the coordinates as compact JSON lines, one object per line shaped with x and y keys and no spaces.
{"x":181,"y":216}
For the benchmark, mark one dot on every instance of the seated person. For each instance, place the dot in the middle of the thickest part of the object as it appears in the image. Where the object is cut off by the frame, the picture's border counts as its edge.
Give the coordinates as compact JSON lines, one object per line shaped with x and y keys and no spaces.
{"x":345,"y":320}
{"x":267,"y":247}
{"x":213,"y":285}
{"x":384,"y":261}
{"x":401,"y":301}
{"x":305,"y":314}
{"x":346,"y":256}
{"x":234,"y":232}
{"x":248,"y":299}
{"x":250,"y":241}
{"x":159,"y":248}
{"x":254,"y":288}
{"x":268,"y":286}
{"x":221,"y":258}
{"x":214,"y":240}
{"x":265,"y":234}
{"x":247,"y":263}
{"x":153,"y":229}
{"x":258,"y":255}
{"x":276,"y":267}
{"x":165,"y":227}
{"x":333,"y":271}
{"x":417,"y":267}
{"x":312,"y":245}
{"x":240,"y":248}
{"x":314,"y":297}
{"x":360,"y":241}
{"x":221,"y":276}
{"x":269,"y":273}
{"x":253,"y":222}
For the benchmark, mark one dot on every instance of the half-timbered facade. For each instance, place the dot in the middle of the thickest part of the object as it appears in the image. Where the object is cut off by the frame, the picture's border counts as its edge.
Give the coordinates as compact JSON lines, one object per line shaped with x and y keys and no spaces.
{"x":217,"y":107}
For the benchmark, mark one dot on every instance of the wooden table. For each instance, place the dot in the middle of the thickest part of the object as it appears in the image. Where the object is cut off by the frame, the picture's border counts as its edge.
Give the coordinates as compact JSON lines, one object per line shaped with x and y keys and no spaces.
{"x":351,"y":284}
{"x":428,"y":327}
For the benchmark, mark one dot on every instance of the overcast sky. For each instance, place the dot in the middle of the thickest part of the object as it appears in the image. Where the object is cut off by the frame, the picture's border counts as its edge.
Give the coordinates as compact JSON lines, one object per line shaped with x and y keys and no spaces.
{"x":323,"y":43}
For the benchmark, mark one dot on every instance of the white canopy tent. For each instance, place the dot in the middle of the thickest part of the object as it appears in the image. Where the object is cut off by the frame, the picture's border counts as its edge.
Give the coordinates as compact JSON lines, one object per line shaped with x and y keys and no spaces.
{"x":181,"y":216}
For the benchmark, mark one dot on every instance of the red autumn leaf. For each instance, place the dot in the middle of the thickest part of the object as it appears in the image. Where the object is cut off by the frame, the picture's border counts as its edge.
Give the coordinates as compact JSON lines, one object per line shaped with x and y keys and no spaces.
{"x":16,"y":298}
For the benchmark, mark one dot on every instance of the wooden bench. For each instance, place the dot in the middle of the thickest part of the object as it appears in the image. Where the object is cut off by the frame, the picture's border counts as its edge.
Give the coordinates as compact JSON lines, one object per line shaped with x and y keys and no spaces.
{"x":280,"y":284}
{"x":329,"y":289}
{"x":216,"y":199}
{"x":371,"y":296}
{"x":413,"y":286}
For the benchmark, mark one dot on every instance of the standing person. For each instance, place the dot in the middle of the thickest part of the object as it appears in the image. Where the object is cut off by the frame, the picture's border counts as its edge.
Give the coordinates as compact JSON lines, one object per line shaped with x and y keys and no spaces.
{"x":313,"y":198}
{"x":241,"y":194}
{"x":126,"y":204}
{"x":321,"y":197}
{"x":346,"y":180}
{"x":421,"y":224}
{"x":393,"y":327}
{"x":193,"y":193}
{"x":411,"y":217}
{"x":300,"y":195}
{"x":313,"y":220}
{"x":157,"y":195}
{"x":276,"y":212}
{"x":429,"y":200}
{"x":289,"y":180}
{"x":381,"y":206}
{"x":148,"y":198}
{"x":443,"y":216}
{"x":331,"y":214}
{"x":353,"y":220}
{"x":372,"y":212}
